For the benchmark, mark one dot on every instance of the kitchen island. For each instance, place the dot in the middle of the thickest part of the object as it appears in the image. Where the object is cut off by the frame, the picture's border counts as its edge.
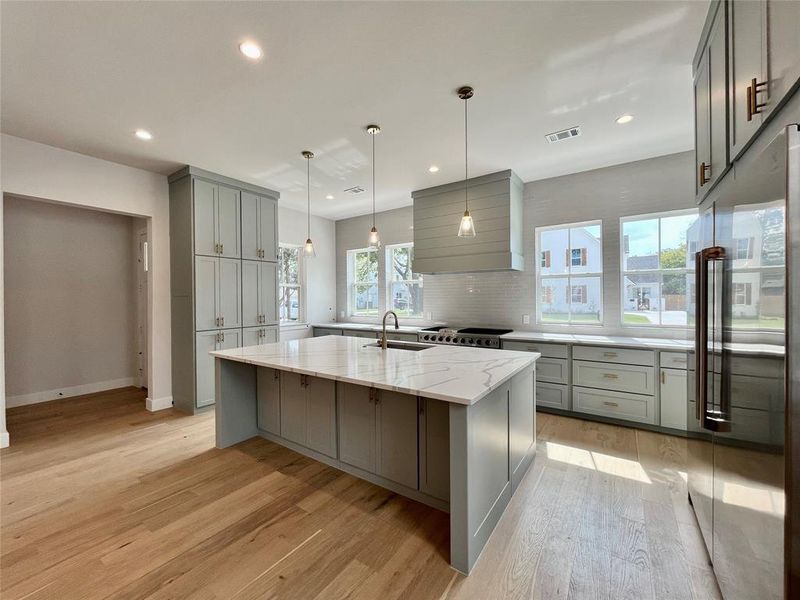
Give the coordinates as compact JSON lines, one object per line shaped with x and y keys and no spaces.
{"x":451,"y":427}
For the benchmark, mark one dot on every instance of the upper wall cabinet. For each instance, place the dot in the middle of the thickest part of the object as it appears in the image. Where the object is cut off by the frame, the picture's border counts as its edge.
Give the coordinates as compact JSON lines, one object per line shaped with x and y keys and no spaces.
{"x":217,"y":220}
{"x":764,"y":53}
{"x":259,"y":223}
{"x":495,"y":203}
{"x":711,"y":107}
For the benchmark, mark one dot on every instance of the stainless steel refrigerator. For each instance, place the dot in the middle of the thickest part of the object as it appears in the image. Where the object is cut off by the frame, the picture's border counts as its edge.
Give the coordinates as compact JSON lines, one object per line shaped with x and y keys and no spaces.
{"x":744,"y":296}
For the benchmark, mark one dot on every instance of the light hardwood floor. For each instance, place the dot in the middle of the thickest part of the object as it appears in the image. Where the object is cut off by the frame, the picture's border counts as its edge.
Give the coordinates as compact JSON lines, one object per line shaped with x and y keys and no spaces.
{"x":103,"y":499}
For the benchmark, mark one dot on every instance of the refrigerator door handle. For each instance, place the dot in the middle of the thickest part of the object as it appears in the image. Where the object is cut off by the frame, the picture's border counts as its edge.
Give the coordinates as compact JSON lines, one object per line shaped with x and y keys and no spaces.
{"x":702,"y":260}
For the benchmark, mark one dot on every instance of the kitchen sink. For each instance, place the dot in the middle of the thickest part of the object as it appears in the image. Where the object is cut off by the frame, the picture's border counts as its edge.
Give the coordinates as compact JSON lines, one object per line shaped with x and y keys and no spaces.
{"x":401,"y":345}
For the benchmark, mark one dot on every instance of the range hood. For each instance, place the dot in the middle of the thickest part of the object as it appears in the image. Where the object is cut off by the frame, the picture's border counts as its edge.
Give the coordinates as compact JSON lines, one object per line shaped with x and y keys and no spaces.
{"x":495,"y":202}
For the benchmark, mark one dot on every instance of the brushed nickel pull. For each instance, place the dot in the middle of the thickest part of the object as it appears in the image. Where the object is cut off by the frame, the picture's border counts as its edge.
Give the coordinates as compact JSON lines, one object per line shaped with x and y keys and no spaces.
{"x":222,"y":319}
{"x":610,"y":376}
{"x":663,"y":377}
{"x":222,"y":336}
{"x":613,"y":404}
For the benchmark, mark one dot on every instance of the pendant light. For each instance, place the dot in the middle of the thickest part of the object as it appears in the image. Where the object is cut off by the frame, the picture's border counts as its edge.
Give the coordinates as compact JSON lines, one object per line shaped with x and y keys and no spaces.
{"x":467,"y":227}
{"x":374,"y":240}
{"x":308,"y":249}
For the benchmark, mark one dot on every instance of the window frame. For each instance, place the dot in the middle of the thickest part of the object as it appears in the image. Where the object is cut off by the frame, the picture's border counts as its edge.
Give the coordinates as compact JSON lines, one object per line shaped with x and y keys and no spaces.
{"x":300,"y":286}
{"x":659,"y":272}
{"x":389,"y":281}
{"x":540,"y":278}
{"x":352,"y":283}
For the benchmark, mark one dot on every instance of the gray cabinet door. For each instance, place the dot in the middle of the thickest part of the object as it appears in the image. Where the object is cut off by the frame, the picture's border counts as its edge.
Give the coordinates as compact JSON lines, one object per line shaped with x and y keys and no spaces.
{"x":783,"y":50}
{"x":356,"y":426}
{"x":271,"y":334}
{"x":747,"y":20}
{"x":251,"y":336}
{"x":718,"y":97}
{"x":434,"y":448}
{"x":250,"y":225}
{"x":293,"y":408}
{"x":521,"y":424}
{"x":229,"y":292}
{"x":673,"y":398}
{"x":396,"y":440}
{"x":205,"y":217}
{"x":702,"y":123}
{"x":268,"y":286}
{"x":229,"y":338}
{"x":321,"y":415}
{"x":268,"y":395}
{"x":206,"y":277}
{"x":251,"y":307}
{"x":229,"y":222}
{"x":205,"y":342}
{"x":268,"y":229}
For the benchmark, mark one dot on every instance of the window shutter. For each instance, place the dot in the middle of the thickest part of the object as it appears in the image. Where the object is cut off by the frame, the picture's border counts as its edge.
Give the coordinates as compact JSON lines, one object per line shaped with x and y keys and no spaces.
{"x":568,"y":261}
{"x":547,"y":259}
{"x":748,"y":288}
{"x":583,"y":257}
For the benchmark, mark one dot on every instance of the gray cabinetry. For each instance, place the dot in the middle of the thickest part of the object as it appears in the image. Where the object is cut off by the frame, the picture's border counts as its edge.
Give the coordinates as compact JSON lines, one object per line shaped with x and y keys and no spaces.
{"x":521,"y":425}
{"x":673,"y":393}
{"x":378,"y":432}
{"x":259,"y":227}
{"x":209,"y":280}
{"x":308,"y":412}
{"x":322,"y":331}
{"x":434,"y":448}
{"x":268,"y":396}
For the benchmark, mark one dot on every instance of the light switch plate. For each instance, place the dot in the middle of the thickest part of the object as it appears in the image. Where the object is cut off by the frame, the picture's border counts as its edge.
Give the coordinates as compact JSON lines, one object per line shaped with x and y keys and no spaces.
{"x":526,"y":319}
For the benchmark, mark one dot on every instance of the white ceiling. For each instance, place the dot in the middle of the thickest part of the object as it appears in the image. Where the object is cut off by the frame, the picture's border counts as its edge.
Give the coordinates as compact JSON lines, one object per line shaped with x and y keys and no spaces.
{"x":84,"y":75}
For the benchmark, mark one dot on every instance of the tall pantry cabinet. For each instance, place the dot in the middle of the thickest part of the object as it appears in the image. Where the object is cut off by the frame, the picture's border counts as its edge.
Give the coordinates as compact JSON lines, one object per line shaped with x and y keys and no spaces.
{"x":224,"y":275}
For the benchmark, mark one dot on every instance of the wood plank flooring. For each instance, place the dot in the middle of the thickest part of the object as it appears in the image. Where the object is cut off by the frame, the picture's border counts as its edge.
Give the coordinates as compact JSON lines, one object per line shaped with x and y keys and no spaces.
{"x":101,"y":499}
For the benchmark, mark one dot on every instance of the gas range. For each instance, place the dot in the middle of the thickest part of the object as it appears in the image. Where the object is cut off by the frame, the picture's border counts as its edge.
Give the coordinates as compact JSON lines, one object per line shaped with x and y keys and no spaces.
{"x":482,"y":337}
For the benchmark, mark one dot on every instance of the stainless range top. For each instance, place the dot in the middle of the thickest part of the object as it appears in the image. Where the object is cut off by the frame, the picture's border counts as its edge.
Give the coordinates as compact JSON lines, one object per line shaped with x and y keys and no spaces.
{"x":483,"y":337}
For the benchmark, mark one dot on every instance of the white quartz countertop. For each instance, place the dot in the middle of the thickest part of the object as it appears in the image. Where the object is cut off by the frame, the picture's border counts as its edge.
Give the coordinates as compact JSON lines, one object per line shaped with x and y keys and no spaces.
{"x":600,"y":340}
{"x":367,"y":327}
{"x":449,"y":373}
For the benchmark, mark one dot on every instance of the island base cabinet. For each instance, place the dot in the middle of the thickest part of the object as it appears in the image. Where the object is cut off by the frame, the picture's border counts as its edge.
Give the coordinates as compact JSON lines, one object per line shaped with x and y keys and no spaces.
{"x":378,"y":432}
{"x":308,"y":412}
{"x":521,"y":425}
{"x":434,"y":448}
{"x":268,"y":399}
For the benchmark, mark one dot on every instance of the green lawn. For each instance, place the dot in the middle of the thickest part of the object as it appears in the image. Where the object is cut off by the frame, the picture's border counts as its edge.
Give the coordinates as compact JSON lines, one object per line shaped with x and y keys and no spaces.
{"x":630,"y":319}
{"x":590,"y":319}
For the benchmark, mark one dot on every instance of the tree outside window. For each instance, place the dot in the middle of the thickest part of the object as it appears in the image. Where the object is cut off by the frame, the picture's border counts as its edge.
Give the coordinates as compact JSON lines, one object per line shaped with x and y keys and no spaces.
{"x":362,"y":271}
{"x":403,"y":286}
{"x":290,"y":283}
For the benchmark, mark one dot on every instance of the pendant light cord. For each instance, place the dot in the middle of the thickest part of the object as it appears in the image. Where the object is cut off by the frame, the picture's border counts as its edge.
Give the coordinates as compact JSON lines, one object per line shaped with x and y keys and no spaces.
{"x":466,"y":161}
{"x":308,"y":196}
{"x":373,"y":180}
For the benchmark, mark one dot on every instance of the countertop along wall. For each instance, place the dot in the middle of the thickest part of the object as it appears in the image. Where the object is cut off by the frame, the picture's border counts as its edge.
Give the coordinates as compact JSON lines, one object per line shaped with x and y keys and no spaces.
{"x":501,"y":298}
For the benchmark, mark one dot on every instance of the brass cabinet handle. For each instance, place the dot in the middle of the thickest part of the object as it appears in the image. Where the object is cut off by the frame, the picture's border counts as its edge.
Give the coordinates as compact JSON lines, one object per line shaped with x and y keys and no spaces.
{"x":663,"y":377}
{"x":753,"y":106}
{"x":703,"y":169}
{"x":614,"y":404}
{"x":610,"y":354}
{"x":610,"y":376}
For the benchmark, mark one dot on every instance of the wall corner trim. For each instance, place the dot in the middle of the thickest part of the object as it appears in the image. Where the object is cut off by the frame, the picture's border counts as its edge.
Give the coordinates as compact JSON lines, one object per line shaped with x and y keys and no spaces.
{"x":158,"y":403}
{"x":4,"y":439}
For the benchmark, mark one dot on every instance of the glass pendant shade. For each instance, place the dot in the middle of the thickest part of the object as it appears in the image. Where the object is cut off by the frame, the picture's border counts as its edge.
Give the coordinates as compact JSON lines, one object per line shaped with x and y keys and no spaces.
{"x":374,"y":239}
{"x":308,"y":249}
{"x":466,"y":229}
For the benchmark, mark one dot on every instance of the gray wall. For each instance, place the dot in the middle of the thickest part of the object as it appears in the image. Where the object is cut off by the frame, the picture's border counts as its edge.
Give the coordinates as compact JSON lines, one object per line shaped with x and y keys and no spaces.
{"x":641,"y":187}
{"x":70,"y":298}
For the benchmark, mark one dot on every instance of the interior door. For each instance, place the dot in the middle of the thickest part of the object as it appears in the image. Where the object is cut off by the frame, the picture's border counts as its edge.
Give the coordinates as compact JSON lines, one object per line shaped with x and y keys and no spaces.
{"x":748,"y":513}
{"x":229,"y":292}
{"x":228,"y":222}
{"x":250,"y":226}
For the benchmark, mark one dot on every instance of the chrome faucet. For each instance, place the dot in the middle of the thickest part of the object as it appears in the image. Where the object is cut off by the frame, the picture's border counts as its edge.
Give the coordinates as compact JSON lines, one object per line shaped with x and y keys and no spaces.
{"x":396,"y":326}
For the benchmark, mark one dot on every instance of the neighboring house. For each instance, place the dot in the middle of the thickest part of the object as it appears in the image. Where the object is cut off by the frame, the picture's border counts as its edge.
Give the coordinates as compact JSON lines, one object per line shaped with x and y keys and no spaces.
{"x":576,"y":294}
{"x":642,"y":292}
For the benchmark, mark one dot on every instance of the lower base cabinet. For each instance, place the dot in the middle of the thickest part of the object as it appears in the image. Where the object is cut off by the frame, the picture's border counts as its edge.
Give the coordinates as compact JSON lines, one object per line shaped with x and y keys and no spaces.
{"x":205,"y":373}
{"x":308,"y":412}
{"x":618,"y":405}
{"x":434,"y":448}
{"x":553,"y":395}
{"x":673,"y":398}
{"x":378,"y":432}
{"x":268,"y":399}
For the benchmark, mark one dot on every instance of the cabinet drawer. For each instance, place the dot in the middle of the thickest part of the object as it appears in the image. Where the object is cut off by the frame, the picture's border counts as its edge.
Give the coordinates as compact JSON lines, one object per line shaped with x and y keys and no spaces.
{"x":619,"y":405}
{"x":757,"y":366}
{"x":400,"y":336}
{"x":673,"y":360}
{"x":625,"y":378}
{"x":320,"y":331}
{"x":546,"y":349}
{"x":552,"y":370}
{"x":624,"y":356}
{"x":553,"y":395}
{"x":360,"y":334}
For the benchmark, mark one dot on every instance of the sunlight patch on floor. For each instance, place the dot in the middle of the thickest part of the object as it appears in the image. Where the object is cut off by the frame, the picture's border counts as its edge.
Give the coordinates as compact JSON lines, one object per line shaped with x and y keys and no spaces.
{"x":597,"y":461}
{"x":763,"y":500}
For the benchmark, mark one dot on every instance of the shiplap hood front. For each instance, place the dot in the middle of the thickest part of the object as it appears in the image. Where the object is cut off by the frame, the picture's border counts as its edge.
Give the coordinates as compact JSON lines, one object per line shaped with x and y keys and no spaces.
{"x":495,"y":202}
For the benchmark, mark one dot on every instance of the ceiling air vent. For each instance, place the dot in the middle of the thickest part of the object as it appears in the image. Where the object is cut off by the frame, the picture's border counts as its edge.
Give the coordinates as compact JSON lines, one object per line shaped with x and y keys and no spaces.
{"x":563,"y":135}
{"x":353,"y":191}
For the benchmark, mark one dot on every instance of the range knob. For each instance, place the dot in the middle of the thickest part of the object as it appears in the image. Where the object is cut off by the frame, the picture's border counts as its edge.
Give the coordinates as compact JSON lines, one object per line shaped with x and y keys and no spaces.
{"x":447,"y":339}
{"x":440,"y":338}
{"x":471,"y":341}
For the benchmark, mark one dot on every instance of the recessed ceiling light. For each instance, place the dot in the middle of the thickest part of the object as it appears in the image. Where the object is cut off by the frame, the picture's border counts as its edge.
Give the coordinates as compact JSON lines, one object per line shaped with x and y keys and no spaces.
{"x":251,"y":50}
{"x":624,"y":119}
{"x":143,"y":134}
{"x":433,"y":169}
{"x":329,"y":197}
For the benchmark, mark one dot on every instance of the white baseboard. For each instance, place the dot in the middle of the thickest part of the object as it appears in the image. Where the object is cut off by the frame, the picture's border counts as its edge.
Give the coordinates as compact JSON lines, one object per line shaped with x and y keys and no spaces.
{"x":158,"y":404}
{"x":68,"y":392}
{"x":4,"y":441}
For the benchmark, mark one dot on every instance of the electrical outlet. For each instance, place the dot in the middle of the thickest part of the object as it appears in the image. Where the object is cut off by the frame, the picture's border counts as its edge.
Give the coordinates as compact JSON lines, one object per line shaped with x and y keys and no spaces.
{"x":430,"y":316}
{"x":526,"y":319}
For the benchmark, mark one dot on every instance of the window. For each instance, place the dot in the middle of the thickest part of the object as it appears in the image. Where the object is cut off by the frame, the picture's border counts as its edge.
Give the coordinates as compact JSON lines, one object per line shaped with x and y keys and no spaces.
{"x":656,"y":263}
{"x":290,"y":292}
{"x":569,"y":274}
{"x":362,"y":277}
{"x":743,"y":248}
{"x":403,"y":286}
{"x":742,"y":294}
